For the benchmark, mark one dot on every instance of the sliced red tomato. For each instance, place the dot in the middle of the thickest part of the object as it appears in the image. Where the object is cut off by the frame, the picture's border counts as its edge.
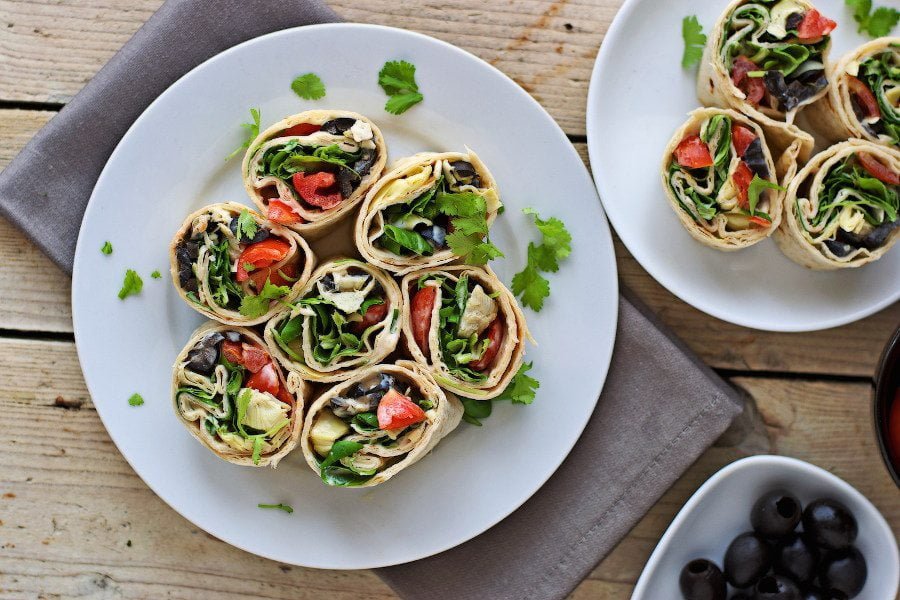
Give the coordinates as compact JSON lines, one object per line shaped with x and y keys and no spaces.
{"x":815,"y":25}
{"x":261,"y":254}
{"x":285,"y":396}
{"x":396,"y":411}
{"x":878,"y":169}
{"x":281,"y":212}
{"x":300,"y":129}
{"x":742,"y":178}
{"x":894,"y":429}
{"x":864,"y":97}
{"x":753,"y":87}
{"x":421,"y":309}
{"x":760,"y":221}
{"x":254,"y":358}
{"x":260,"y":276}
{"x":693,"y":153}
{"x":374,"y":314}
{"x":265,"y":380}
{"x":741,"y":137}
{"x":233,"y":352}
{"x":494,"y":334}
{"x":318,"y":189}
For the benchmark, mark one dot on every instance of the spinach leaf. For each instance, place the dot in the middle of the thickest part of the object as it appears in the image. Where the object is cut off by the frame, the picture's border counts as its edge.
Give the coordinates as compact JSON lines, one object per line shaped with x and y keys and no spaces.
{"x":407,"y":240}
{"x":341,"y":475}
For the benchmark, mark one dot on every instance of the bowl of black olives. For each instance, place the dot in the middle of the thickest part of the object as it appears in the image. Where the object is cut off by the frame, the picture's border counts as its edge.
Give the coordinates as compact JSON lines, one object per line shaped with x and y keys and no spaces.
{"x":774,"y":528}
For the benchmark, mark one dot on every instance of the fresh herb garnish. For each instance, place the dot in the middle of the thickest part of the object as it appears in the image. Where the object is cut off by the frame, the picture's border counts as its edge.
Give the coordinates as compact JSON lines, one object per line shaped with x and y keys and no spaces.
{"x":286,"y":508}
{"x":398,"y":80}
{"x":308,"y":87}
{"x":521,"y":390}
{"x":246,"y":226}
{"x":132,"y":285}
{"x":257,"y":306}
{"x":135,"y":400}
{"x":877,"y":23}
{"x":156,"y":274}
{"x":529,"y":284}
{"x":476,"y":410}
{"x":469,"y":241}
{"x":252,"y":133}
{"x":694,"y":41}
{"x":106,"y":248}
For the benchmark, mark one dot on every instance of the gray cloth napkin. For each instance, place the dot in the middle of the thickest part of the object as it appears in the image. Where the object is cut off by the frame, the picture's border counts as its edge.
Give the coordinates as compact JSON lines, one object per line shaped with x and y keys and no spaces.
{"x":660,"y":409}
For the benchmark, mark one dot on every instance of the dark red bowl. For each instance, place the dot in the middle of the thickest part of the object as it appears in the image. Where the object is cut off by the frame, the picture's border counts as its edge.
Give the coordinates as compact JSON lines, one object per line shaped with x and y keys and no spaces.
{"x":887,"y":384}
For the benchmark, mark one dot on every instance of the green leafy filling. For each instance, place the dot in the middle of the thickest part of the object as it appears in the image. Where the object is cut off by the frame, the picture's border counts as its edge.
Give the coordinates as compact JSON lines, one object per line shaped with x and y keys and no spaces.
{"x":881,"y":73}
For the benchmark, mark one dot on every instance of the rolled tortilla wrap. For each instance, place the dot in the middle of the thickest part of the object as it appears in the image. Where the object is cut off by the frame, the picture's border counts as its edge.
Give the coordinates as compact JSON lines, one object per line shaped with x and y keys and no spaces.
{"x":406,"y":218}
{"x":768,"y":59}
{"x":223,"y":256}
{"x":863,"y":100}
{"x":465,"y":327}
{"x":715,"y":200}
{"x":233,"y":397}
{"x":841,"y":210}
{"x":362,"y":432}
{"x":308,"y":171}
{"x":346,"y":318}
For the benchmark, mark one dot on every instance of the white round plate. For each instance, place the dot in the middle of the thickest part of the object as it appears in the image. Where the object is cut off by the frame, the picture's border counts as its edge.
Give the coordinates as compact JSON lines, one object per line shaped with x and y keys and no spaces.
{"x":639,"y":95}
{"x":720,"y":510}
{"x":171,"y":163}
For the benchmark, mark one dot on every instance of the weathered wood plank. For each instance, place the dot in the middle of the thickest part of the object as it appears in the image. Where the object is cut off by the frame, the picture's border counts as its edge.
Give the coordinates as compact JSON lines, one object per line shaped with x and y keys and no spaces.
{"x":70,"y":504}
{"x":50,"y":48}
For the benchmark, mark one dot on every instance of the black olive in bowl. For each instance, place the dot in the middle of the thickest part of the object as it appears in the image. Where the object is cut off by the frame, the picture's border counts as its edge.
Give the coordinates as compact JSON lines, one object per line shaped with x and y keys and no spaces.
{"x":829,"y":524}
{"x":844,"y":571}
{"x":702,"y":580}
{"x":747,"y":559}
{"x":816,"y":594}
{"x":796,"y":558}
{"x":775,"y":515}
{"x":886,"y":408}
{"x":777,"y":587}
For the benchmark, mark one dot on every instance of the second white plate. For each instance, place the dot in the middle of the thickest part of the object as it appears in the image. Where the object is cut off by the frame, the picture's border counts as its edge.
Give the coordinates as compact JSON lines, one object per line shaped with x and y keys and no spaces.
{"x":639,"y":95}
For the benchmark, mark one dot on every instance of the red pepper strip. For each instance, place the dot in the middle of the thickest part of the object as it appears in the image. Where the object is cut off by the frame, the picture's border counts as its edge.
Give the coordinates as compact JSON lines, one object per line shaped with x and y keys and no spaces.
{"x":317,"y":189}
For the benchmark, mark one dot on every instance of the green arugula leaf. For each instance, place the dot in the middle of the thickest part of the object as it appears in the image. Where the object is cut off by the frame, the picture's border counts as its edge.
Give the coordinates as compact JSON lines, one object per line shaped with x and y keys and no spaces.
{"x":286,"y":508}
{"x":877,"y":23}
{"x":756,"y":188}
{"x":521,"y":390}
{"x":156,"y":274}
{"x":308,"y":87}
{"x":132,"y":285}
{"x":398,"y":80}
{"x":106,"y":248}
{"x":694,"y":41}
{"x":257,"y":306}
{"x":135,"y":400}
{"x":252,"y":133}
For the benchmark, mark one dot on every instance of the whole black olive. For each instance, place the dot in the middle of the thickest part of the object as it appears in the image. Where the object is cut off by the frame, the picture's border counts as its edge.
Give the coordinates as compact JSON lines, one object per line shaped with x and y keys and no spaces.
{"x":796,"y":559}
{"x":364,"y":163}
{"x":829,"y":524}
{"x":777,"y":587}
{"x":775,"y":514}
{"x":792,"y":23}
{"x":844,"y":571}
{"x":702,"y":580}
{"x":338,"y":126}
{"x":747,"y":559}
{"x":261,"y":233}
{"x":346,"y":178}
{"x":205,"y":354}
{"x":817,"y":594}
{"x":839,"y":249}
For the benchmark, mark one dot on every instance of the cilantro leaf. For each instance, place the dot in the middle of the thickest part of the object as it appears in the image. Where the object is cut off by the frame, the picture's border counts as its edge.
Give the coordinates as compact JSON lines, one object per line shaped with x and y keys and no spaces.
{"x":531,"y":285}
{"x":252,"y":133}
{"x":285,"y":507}
{"x":398,"y":80}
{"x":106,"y":248}
{"x":257,"y":306}
{"x":879,"y":23}
{"x":246,"y":226}
{"x":556,"y":244}
{"x":756,"y":188}
{"x":694,"y":41}
{"x":156,"y":274}
{"x":135,"y":400}
{"x":472,"y":248}
{"x":308,"y":87}
{"x":132,"y":284}
{"x":521,"y":390}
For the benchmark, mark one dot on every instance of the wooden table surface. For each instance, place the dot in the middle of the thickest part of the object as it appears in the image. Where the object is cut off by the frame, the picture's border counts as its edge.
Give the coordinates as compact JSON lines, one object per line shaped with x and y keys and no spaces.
{"x":74,"y":518}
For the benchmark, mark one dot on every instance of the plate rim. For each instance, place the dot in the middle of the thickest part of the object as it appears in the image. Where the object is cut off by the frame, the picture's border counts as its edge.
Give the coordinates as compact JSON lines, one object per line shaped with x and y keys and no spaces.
{"x":592,"y":117}
{"x":605,"y":349}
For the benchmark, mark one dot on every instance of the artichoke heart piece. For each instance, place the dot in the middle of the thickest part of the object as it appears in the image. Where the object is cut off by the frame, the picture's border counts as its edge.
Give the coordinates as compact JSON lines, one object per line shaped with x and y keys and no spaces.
{"x":264,"y":411}
{"x":326,"y":430}
{"x":480,"y":311}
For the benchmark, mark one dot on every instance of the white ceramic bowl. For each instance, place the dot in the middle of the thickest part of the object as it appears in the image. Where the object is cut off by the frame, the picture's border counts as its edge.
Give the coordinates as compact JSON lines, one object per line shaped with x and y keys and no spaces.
{"x":720,"y":510}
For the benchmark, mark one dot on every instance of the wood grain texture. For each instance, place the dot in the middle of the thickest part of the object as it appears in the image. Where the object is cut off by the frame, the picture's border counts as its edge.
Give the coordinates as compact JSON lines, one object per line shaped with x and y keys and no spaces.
{"x":76,"y":521}
{"x":36,"y":298}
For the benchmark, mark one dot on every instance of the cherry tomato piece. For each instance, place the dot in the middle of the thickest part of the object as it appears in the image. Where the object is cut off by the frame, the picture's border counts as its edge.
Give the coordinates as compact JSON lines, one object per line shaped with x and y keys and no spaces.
{"x":693,"y":153}
{"x":494,"y":334}
{"x":878,"y":169}
{"x":280,"y":212}
{"x":261,"y":254}
{"x":815,"y":25}
{"x":396,"y":411}
{"x":742,"y":178}
{"x":753,"y":87}
{"x":374,"y":314}
{"x":421,"y":309}
{"x":265,"y":380}
{"x":741,"y":137}
{"x":864,"y":97}
{"x":300,"y":129}
{"x":317,"y":189}
{"x":254,"y":358}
